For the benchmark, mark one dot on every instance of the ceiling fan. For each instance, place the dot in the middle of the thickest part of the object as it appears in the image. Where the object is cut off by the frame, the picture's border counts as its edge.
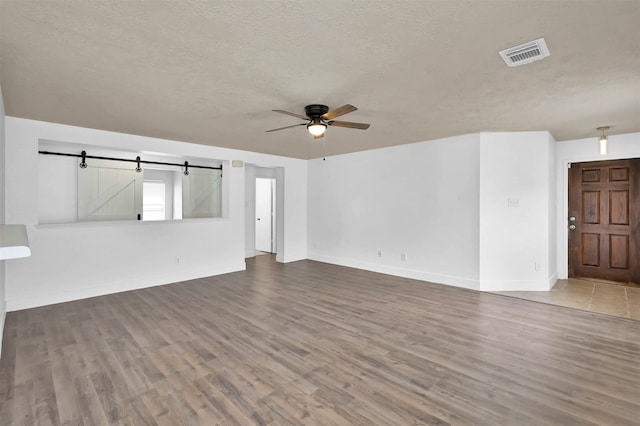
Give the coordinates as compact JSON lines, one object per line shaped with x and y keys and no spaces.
{"x":318,"y":117}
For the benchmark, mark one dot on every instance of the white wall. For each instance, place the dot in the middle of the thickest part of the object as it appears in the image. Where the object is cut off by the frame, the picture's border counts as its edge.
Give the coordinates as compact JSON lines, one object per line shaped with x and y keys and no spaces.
{"x":581,"y":150}
{"x":515,"y":211}
{"x":3,"y":308}
{"x":443,"y":203}
{"x":73,"y":261}
{"x":419,"y":199}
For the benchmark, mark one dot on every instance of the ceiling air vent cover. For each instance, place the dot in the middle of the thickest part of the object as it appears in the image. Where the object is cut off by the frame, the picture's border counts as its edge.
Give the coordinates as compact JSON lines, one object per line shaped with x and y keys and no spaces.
{"x":525,"y":53}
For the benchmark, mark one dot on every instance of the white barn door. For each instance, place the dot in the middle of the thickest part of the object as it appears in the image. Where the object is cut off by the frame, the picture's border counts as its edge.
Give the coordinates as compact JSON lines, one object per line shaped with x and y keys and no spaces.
{"x":202,"y":193}
{"x":109,"y":190}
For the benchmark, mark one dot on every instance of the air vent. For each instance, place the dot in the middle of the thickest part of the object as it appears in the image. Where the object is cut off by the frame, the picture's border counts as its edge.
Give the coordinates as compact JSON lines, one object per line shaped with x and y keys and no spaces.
{"x":525,"y":53}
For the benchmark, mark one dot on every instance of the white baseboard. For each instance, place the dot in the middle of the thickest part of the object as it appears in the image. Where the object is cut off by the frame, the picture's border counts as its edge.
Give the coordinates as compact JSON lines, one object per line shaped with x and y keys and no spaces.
{"x":399,"y":272}
{"x":482,"y":285}
{"x":132,"y":283}
{"x":294,"y":257}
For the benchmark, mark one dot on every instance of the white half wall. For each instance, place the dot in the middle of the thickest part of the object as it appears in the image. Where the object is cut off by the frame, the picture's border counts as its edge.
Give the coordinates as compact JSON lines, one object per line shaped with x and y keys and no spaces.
{"x":78,"y":260}
{"x":516,"y":211}
{"x":367,"y":209}
{"x":577,"y":151}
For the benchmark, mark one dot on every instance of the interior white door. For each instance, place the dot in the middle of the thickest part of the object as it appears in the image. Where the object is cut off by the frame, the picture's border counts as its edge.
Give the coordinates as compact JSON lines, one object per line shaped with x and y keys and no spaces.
{"x":264,"y":218}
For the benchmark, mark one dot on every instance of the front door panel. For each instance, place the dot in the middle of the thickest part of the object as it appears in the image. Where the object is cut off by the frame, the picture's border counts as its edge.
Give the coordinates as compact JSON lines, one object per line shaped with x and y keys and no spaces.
{"x":604,"y":204}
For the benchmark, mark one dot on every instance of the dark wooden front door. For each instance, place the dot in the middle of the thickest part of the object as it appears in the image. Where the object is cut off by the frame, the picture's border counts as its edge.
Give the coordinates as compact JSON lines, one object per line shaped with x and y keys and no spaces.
{"x":604,"y":207}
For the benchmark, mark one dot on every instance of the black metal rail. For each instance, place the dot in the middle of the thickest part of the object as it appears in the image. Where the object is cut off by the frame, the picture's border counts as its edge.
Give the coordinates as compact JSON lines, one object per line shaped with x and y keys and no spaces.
{"x":84,"y":156}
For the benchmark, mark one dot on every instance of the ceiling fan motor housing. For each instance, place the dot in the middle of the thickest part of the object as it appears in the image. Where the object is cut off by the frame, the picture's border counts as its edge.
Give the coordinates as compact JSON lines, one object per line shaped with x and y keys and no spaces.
{"x":315,"y":110}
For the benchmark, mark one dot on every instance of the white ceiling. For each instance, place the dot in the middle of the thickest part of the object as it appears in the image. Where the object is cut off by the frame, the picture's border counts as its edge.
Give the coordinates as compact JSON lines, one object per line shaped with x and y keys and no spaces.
{"x":210,"y":72}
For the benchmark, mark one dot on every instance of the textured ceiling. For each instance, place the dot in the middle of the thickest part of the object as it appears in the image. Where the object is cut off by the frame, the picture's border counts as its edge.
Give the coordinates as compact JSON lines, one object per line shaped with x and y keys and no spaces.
{"x":210,"y":72}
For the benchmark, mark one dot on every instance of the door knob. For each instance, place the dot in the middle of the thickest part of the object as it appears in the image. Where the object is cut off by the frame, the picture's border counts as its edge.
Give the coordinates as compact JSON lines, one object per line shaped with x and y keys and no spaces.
{"x":258,"y":218}
{"x":572,"y":227}
{"x":572,"y":219}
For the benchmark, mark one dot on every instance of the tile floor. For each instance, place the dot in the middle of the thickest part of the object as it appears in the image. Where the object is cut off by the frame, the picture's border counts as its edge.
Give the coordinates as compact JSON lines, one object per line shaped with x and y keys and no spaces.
{"x":622,"y":300}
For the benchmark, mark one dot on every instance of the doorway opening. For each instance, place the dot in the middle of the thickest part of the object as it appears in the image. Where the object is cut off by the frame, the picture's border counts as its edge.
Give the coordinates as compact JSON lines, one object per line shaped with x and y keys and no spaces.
{"x":265,"y":215}
{"x":264,"y":212}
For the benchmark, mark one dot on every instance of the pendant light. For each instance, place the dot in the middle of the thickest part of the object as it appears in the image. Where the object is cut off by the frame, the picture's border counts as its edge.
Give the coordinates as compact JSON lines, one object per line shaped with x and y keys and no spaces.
{"x":603,"y":141}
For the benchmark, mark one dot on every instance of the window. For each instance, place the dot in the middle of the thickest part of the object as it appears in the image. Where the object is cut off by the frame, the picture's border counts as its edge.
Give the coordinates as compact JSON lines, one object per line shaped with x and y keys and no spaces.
{"x":158,"y":194}
{"x":153,"y":200}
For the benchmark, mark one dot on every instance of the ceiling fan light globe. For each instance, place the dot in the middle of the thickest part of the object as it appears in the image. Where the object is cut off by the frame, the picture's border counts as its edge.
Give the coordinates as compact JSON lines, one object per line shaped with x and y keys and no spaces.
{"x":316,"y":129}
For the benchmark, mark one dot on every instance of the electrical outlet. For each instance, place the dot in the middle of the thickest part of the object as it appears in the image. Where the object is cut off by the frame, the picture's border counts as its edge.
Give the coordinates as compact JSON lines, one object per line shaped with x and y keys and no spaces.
{"x":403,"y":257}
{"x":177,"y":260}
{"x":379,"y":253}
{"x":513,"y":202}
{"x":536,"y":266}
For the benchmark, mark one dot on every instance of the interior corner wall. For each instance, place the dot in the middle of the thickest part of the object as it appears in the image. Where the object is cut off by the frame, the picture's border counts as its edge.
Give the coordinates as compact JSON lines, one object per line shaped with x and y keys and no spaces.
{"x":577,"y":151}
{"x":3,"y":307}
{"x":552,"y":197}
{"x":79,"y":260}
{"x":367,"y":209}
{"x":515,"y":204}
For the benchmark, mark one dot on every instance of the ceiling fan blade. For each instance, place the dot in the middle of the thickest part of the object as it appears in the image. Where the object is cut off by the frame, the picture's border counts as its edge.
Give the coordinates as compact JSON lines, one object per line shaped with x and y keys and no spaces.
{"x":349,"y":124}
{"x":344,"y":109}
{"x":303,"y":117}
{"x":287,"y":127}
{"x":319,"y":136}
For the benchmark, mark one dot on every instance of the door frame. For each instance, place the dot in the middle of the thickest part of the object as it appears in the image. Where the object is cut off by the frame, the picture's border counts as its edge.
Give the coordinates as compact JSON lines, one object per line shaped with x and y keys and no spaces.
{"x":272,"y":213}
{"x":563,"y":200}
{"x":253,"y":171}
{"x":603,"y":270}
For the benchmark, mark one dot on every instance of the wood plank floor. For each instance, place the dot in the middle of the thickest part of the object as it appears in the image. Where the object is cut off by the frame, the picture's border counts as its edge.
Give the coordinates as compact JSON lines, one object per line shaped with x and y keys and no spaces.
{"x":309,"y":343}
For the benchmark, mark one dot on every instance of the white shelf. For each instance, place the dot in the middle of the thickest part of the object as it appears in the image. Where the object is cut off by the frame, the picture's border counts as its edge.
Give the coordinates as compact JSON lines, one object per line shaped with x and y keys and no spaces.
{"x":14,"y":242}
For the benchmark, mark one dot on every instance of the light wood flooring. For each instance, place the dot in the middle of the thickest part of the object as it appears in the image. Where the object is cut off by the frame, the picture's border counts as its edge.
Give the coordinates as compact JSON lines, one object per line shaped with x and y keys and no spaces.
{"x":308,"y":343}
{"x":619,"y":299}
